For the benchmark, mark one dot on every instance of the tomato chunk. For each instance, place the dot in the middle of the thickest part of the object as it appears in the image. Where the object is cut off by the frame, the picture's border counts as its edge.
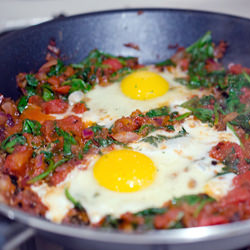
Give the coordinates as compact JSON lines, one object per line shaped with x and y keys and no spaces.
{"x":79,"y":108}
{"x":56,"y":106}
{"x":15,"y":163}
{"x":113,"y":63}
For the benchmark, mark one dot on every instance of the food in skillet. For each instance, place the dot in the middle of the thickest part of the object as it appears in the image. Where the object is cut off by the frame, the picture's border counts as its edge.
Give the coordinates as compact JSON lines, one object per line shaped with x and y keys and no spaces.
{"x":112,"y":143}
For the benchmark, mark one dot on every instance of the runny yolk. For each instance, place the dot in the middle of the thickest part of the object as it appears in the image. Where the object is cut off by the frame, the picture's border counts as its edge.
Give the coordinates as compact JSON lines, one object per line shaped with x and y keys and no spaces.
{"x":34,"y":112}
{"x":144,"y":85}
{"x":124,"y":171}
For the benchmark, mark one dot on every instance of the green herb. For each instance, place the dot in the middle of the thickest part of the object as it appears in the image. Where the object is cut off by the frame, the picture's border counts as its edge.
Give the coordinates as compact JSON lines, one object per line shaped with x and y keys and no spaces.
{"x":242,"y":121}
{"x":110,"y":222}
{"x":106,"y":142}
{"x":57,"y":69}
{"x":246,"y":76}
{"x":247,"y":161}
{"x":195,"y":105}
{"x":76,"y":203}
{"x":80,"y":156}
{"x":170,"y":127}
{"x":96,"y":128}
{"x":148,"y":127}
{"x":48,"y":155}
{"x":167,"y":62}
{"x":48,"y":94}
{"x":151,"y":211}
{"x":155,"y":140}
{"x":158,"y":112}
{"x":68,"y":140}
{"x":189,"y":199}
{"x":231,"y":163}
{"x":87,"y":146}
{"x":51,"y":168}
{"x":31,"y":80}
{"x":78,"y":84}
{"x":9,"y":143}
{"x":22,"y":104}
{"x":192,"y":200}
{"x":234,"y":132}
{"x":200,"y":52}
{"x":31,"y":127}
{"x":182,"y":117}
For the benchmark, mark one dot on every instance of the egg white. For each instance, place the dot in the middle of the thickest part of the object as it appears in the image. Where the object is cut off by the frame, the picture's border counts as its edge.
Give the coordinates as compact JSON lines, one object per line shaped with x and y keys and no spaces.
{"x":183,"y":167}
{"x":107,"y":104}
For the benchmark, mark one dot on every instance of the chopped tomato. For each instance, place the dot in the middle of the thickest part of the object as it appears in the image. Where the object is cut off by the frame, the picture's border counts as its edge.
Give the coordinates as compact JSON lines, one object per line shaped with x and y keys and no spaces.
{"x":36,"y":100}
{"x":212,"y":220}
{"x":184,"y":63}
{"x":165,"y":220}
{"x":48,"y":130}
{"x":16,"y":162}
{"x":56,"y":106}
{"x":79,"y":108}
{"x":62,"y":89}
{"x":113,"y":63}
{"x":223,"y":149}
{"x":69,"y":71}
{"x":54,"y":81}
{"x":72,"y":124}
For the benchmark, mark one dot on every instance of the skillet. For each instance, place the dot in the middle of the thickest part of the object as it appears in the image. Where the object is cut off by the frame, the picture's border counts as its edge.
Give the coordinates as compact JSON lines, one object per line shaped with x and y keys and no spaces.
{"x":153,"y":30}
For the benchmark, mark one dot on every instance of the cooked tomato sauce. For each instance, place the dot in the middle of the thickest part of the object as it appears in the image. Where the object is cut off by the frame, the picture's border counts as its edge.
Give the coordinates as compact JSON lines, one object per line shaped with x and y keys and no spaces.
{"x":36,"y":147}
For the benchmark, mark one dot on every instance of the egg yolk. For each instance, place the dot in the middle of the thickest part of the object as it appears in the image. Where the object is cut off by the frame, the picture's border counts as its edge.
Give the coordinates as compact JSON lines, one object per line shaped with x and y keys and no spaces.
{"x":144,"y":85}
{"x":124,"y":171}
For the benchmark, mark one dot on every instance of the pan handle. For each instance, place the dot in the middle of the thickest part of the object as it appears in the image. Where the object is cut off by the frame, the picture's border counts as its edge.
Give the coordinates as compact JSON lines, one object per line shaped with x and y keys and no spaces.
{"x":13,"y":234}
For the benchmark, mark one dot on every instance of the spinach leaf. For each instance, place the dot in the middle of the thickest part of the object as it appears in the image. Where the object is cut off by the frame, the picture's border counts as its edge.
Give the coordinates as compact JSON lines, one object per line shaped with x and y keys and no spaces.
{"x":154,"y":140}
{"x":68,"y":140}
{"x":148,"y":127}
{"x":200,"y":45}
{"x":182,"y":117}
{"x":87,"y":146}
{"x":106,"y":142}
{"x":189,"y":199}
{"x":48,"y":94}
{"x":51,"y":168}
{"x":231,"y":163}
{"x":31,"y":80}
{"x":196,"y":106}
{"x":9,"y":143}
{"x":193,"y":199}
{"x":167,"y":62}
{"x":158,"y":112}
{"x":22,"y":104}
{"x":151,"y":211}
{"x":76,"y":203}
{"x":48,"y":155}
{"x":78,"y":84}
{"x":242,"y":121}
{"x":96,"y":128}
{"x":57,"y":69}
{"x":31,"y":127}
{"x":200,"y":52}
{"x":110,"y":222}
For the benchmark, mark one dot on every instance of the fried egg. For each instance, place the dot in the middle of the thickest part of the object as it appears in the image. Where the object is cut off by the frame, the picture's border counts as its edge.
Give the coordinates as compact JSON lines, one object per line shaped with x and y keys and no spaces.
{"x":144,"y":90}
{"x":141,"y":175}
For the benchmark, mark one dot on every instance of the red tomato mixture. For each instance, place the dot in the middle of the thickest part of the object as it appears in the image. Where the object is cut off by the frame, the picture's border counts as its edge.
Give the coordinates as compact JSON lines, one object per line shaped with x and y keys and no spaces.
{"x":36,"y":147}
